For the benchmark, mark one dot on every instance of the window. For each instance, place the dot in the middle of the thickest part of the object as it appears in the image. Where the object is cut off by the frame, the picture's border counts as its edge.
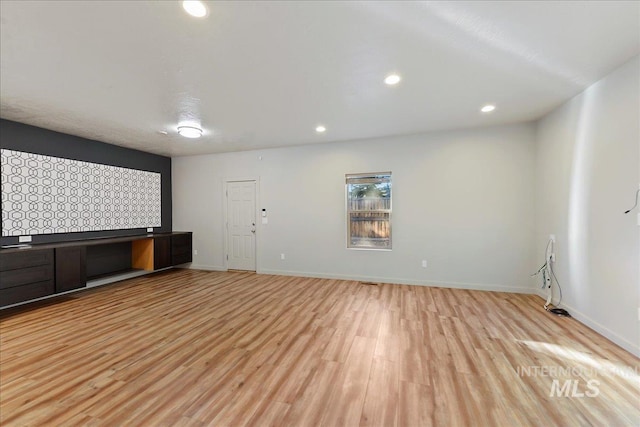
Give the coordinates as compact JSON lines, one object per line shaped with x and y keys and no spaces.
{"x":369,"y":210}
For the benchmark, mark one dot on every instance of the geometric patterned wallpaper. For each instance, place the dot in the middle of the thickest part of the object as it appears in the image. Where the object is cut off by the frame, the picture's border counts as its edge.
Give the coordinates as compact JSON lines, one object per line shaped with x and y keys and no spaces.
{"x":47,"y":195}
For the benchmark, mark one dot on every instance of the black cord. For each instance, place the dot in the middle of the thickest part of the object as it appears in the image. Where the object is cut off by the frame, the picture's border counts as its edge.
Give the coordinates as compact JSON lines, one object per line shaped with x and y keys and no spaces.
{"x":539,"y":270}
{"x":558,"y":311}
{"x":636,"y":203}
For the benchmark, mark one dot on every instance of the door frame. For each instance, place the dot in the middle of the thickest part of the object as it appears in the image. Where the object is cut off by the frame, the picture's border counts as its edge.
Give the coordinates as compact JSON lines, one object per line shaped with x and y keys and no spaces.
{"x":225,"y":219}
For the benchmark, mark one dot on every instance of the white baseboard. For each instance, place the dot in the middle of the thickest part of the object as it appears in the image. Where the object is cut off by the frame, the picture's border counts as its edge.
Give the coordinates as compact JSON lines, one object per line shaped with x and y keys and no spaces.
{"x":206,"y":267}
{"x":592,"y":324}
{"x":401,"y":281}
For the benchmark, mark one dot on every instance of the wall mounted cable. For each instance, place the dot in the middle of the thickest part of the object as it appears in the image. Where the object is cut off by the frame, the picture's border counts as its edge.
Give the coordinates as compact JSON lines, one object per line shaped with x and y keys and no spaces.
{"x":635,"y":204}
{"x":548,"y":276}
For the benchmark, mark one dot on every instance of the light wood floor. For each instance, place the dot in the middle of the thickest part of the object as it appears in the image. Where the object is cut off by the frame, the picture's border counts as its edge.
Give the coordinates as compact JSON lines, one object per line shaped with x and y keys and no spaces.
{"x":193,"y":348}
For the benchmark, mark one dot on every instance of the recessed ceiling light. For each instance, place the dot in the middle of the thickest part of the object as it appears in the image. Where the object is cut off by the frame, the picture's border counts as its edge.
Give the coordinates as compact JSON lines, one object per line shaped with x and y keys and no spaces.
{"x":392,"y":79}
{"x":488,"y":108}
{"x":163,"y":132}
{"x":321,"y":129}
{"x":190,"y":131}
{"x":195,"y":8}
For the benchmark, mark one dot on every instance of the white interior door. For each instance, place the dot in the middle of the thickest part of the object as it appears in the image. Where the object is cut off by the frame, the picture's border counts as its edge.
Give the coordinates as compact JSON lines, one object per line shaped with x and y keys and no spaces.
{"x":241,"y":225}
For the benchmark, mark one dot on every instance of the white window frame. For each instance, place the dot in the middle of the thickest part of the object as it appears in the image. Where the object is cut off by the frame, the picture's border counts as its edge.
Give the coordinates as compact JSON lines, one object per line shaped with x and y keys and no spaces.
{"x":372,"y":177}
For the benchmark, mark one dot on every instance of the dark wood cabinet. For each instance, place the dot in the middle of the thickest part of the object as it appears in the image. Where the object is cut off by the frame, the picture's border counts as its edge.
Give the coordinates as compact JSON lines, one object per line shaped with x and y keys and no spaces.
{"x":161,"y":252}
{"x":26,"y":275}
{"x":71,"y":268}
{"x":32,"y":272}
{"x":157,"y":252}
{"x":25,"y":258}
{"x":181,"y":248}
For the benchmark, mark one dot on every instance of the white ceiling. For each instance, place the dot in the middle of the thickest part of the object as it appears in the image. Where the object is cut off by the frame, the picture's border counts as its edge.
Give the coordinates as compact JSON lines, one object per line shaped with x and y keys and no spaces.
{"x":265,"y":74}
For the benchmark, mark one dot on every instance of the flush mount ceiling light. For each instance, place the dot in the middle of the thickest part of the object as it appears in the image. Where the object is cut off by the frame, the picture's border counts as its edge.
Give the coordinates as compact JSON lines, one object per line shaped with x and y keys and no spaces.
{"x":195,"y":8}
{"x":321,"y":129}
{"x":488,"y":108}
{"x":392,"y":79}
{"x":190,"y":131}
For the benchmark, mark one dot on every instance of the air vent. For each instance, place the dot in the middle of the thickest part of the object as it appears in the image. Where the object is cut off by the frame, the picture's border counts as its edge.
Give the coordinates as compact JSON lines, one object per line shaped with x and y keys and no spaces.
{"x":369,"y":283}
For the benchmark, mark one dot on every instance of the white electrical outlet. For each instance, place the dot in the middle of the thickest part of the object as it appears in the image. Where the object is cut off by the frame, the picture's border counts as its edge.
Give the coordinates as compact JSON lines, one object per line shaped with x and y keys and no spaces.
{"x":195,"y":252}
{"x":552,"y":237}
{"x":24,"y":239}
{"x":424,"y":263}
{"x":281,"y":256}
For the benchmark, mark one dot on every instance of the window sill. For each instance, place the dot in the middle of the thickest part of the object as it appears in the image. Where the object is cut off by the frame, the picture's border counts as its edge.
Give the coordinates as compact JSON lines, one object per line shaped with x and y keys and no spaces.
{"x":371,"y":249}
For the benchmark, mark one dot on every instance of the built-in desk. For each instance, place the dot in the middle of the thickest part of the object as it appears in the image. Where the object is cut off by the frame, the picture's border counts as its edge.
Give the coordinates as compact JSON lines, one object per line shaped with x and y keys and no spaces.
{"x":30,"y":272}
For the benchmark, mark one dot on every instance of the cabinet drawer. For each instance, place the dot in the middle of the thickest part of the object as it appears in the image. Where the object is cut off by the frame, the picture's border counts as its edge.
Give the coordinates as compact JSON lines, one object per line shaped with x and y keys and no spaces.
{"x":181,"y":243}
{"x":181,"y":249}
{"x":26,"y":292}
{"x":28,"y":258}
{"x":181,"y":258}
{"x":23,"y":276}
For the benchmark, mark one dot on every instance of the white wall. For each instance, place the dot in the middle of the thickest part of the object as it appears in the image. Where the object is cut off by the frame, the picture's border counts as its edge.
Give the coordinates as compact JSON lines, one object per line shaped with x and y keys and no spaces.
{"x":587,"y":172}
{"x":462,"y":200}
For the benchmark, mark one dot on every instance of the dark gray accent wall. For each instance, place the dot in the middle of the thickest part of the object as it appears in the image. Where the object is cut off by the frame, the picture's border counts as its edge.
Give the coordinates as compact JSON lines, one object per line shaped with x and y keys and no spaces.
{"x":31,"y":139}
